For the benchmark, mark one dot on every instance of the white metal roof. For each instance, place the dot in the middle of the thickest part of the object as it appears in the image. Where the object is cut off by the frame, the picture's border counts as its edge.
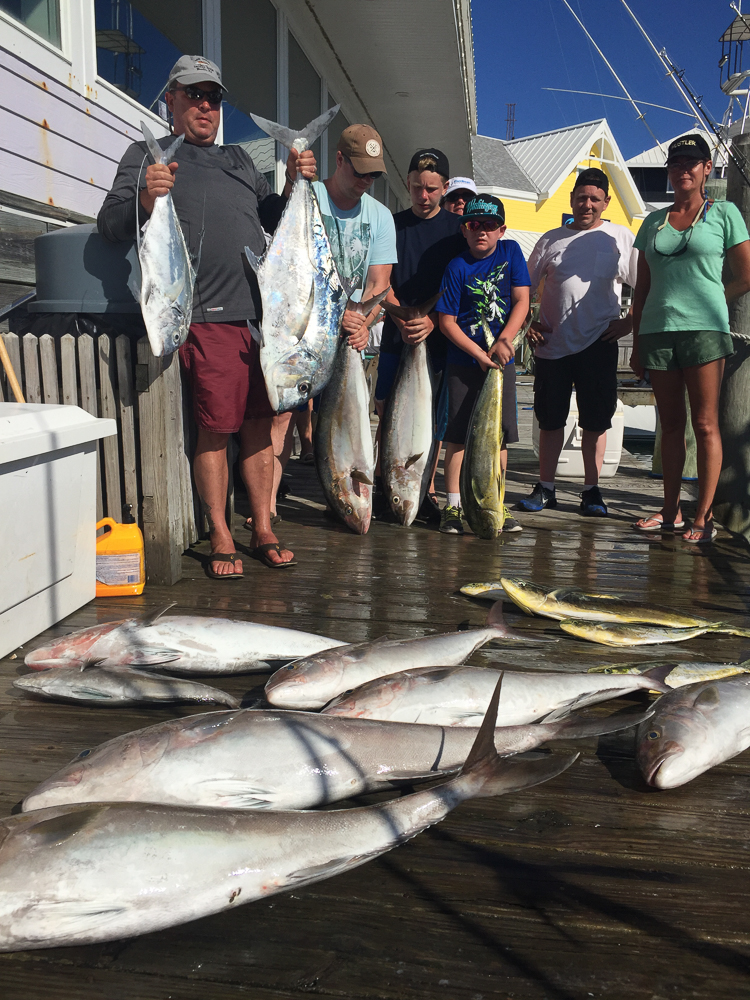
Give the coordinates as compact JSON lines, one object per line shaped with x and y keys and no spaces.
{"x":656,"y":156}
{"x":547,"y":158}
{"x":526,"y":240}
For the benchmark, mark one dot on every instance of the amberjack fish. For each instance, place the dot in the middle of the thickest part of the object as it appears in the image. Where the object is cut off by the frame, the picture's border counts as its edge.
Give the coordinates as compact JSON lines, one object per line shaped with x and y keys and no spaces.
{"x":638,"y":633}
{"x":693,"y":729}
{"x":303,"y":297}
{"x":482,"y":477}
{"x":407,"y":434}
{"x":312,"y":681}
{"x":118,"y":686}
{"x":78,"y":874}
{"x":167,"y":274}
{"x":344,"y":455}
{"x":180,"y":644}
{"x":260,"y":759}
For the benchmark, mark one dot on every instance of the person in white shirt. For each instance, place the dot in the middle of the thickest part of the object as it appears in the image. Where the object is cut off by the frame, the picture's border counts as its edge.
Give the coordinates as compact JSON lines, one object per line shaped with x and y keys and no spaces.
{"x":581,"y":267}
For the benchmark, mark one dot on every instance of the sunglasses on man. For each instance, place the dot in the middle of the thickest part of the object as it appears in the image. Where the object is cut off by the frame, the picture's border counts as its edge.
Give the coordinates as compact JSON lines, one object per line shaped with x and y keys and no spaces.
{"x":372,"y":176}
{"x":486,"y":225}
{"x":214,"y":97}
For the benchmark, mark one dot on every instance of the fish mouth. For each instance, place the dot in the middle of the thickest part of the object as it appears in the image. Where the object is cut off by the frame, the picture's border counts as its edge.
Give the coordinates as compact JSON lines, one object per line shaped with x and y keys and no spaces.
{"x":652,"y":773}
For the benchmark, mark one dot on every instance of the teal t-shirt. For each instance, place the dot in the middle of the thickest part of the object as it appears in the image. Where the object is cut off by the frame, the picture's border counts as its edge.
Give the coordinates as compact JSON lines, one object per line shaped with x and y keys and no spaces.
{"x":364,"y":235}
{"x":687,"y":292}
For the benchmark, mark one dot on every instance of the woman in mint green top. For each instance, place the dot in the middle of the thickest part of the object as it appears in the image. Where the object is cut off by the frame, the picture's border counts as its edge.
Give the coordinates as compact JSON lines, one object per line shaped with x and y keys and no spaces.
{"x":681,"y":324}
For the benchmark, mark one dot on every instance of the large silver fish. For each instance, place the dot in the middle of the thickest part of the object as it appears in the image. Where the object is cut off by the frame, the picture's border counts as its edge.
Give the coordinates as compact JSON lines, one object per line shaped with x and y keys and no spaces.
{"x":118,"y":686}
{"x":303,"y":298}
{"x":78,"y":874}
{"x":458,"y":696}
{"x":482,"y":477}
{"x":167,"y":275}
{"x":313,"y":681}
{"x":258,"y":759}
{"x":407,"y":434}
{"x":344,"y":455}
{"x":181,"y":644}
{"x":693,"y":729}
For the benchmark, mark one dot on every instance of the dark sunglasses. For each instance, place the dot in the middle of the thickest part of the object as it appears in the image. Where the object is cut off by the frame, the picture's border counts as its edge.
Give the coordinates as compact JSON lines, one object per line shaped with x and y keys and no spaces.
{"x":196,"y":94}
{"x":372,"y":176}
{"x":486,"y":225}
{"x":459,"y":196}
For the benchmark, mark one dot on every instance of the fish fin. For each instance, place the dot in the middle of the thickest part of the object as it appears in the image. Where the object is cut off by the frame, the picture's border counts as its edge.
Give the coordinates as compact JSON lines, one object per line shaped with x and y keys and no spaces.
{"x":158,"y":154}
{"x":76,"y":916}
{"x":410,"y":777}
{"x":252,"y":260}
{"x":146,"y":655}
{"x":238,"y":794}
{"x":149,"y":617}
{"x":369,"y":304}
{"x":412,"y":460}
{"x":315,"y":873}
{"x":496,"y":621}
{"x":255,"y":334}
{"x":298,"y":140}
{"x":350,"y":285}
{"x":57,"y":829}
{"x":361,"y":477}
{"x":169,"y":152}
{"x":94,"y":662}
{"x":400,"y":312}
{"x":659,"y":676}
{"x":428,"y":306}
{"x":574,"y":727}
{"x":708,"y":697}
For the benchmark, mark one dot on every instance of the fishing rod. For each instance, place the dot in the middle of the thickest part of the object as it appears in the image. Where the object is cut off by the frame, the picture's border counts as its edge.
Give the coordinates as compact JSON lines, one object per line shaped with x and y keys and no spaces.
{"x":616,"y":97}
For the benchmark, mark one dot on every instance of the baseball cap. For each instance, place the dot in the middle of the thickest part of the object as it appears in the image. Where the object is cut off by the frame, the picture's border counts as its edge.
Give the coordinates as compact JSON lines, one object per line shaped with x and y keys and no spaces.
{"x":485,"y":206}
{"x":593,"y":177}
{"x":460,"y":184}
{"x":363,"y":146}
{"x":692,"y":146}
{"x":194,"y":69}
{"x":441,"y":160}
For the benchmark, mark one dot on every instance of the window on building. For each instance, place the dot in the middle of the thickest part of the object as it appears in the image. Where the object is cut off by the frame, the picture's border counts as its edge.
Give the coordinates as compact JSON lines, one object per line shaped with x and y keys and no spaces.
{"x":138,"y":43}
{"x":40,"y":16}
{"x":248,"y":69}
{"x":304,"y":91}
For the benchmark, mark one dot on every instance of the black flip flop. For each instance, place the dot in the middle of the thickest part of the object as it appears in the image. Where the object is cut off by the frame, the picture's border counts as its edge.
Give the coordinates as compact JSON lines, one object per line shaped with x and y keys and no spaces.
{"x":229,"y":557}
{"x":260,"y":552}
{"x":275,"y":519}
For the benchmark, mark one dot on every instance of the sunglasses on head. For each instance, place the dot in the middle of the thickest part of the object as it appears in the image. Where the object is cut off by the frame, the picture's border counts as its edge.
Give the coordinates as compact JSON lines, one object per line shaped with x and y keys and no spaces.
{"x":371,"y":176}
{"x":196,"y":94}
{"x":486,"y":225}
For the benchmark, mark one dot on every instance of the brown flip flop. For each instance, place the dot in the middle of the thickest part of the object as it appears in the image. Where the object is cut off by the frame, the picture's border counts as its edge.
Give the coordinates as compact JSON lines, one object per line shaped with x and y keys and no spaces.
{"x":229,"y":557}
{"x":260,"y":552}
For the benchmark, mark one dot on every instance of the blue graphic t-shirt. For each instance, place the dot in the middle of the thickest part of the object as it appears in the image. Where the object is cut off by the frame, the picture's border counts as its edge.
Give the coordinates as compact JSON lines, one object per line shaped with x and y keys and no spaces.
{"x":362,"y":236}
{"x":474,"y":288}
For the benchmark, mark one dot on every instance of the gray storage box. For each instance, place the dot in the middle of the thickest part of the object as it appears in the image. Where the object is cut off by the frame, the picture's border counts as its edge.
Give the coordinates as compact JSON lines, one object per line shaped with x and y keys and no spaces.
{"x":78,"y":271}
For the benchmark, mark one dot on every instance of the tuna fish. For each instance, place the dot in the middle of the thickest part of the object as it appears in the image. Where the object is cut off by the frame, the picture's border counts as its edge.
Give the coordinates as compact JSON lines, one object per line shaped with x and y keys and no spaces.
{"x":180,"y":644}
{"x":78,"y":874}
{"x":344,"y":455}
{"x":693,"y":729}
{"x":638,"y":634}
{"x":458,"y":696}
{"x":482,"y":478}
{"x":258,"y":759}
{"x":303,"y":298}
{"x":407,"y":434}
{"x":313,"y":681}
{"x":118,"y":686}
{"x":167,"y":275}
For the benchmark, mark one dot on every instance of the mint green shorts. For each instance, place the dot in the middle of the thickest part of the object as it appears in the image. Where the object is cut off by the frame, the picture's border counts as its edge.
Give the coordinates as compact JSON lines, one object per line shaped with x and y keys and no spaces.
{"x":675,"y":349}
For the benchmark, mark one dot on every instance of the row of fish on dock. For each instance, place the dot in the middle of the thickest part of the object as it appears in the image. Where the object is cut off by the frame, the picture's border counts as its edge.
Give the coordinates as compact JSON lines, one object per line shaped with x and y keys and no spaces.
{"x":194,"y":815}
{"x":303,"y":354}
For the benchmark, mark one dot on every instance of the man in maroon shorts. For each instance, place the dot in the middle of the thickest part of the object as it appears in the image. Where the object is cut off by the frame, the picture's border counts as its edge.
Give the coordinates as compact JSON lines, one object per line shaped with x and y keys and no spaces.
{"x":217,"y":191}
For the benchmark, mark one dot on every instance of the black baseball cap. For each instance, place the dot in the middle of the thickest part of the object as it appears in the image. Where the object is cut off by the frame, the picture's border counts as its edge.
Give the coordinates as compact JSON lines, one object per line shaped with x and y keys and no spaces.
{"x":441,"y":161}
{"x":485,"y":206}
{"x":692,"y":147}
{"x":593,"y":177}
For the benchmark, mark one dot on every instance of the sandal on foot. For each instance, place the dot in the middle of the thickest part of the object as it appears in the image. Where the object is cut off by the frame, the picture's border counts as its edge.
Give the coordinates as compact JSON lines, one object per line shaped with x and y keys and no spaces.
{"x":260,"y":552}
{"x":702,"y":535}
{"x":656,"y":524}
{"x":248,"y":525}
{"x":230,"y":557}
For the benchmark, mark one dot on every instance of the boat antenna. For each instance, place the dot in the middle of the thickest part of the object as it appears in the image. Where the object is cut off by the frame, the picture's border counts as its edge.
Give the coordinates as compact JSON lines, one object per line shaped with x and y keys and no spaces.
{"x":616,"y":97}
{"x":609,"y":66}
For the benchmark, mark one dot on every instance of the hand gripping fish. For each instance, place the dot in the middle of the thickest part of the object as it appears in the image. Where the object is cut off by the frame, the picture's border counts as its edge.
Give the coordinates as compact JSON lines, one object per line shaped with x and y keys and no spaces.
{"x":167,"y":274}
{"x":344,"y":456}
{"x":303,"y":297}
{"x":77,"y":874}
{"x":482,"y":477}
{"x":407,"y":436}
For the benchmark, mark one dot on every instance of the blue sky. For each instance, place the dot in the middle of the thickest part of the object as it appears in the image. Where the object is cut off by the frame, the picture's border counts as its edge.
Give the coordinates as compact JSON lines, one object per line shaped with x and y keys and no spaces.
{"x":521,"y":46}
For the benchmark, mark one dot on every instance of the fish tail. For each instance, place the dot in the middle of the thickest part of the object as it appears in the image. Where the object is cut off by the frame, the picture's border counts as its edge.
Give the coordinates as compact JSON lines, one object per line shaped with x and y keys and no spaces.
{"x":297,"y":140}
{"x":575,"y":727}
{"x":158,"y":154}
{"x":496,"y":621}
{"x":491,"y":774}
{"x":744,"y":632}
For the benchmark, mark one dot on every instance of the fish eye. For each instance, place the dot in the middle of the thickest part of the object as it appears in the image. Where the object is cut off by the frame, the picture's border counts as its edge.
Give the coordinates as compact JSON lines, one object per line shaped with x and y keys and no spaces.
{"x":303,"y":387}
{"x":397,"y":499}
{"x":84,"y":753}
{"x":348,"y":509}
{"x":654,"y":734}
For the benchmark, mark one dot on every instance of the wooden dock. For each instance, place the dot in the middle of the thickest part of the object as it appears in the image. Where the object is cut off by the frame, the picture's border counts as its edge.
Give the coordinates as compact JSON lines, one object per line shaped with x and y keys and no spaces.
{"x":590,"y":885}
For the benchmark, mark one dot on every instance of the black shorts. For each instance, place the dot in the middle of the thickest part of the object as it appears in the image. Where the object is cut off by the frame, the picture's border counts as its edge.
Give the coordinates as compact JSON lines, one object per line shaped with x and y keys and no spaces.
{"x":593,"y":372}
{"x":464,"y":385}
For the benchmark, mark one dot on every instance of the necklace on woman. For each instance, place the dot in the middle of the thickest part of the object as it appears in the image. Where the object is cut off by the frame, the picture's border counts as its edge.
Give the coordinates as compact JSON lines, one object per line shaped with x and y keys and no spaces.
{"x":705,"y":205}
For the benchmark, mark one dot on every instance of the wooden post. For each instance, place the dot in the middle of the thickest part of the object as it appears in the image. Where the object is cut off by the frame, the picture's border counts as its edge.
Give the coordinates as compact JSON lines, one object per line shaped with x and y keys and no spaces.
{"x":51,"y":390}
{"x":108,"y":395}
{"x":87,"y":369}
{"x":732,"y":504}
{"x":32,"y":387}
{"x":68,"y":368}
{"x":126,"y":396}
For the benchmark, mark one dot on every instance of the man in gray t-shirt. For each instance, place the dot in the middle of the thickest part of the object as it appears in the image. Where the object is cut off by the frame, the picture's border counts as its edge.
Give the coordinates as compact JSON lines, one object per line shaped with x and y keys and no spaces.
{"x":217,"y":190}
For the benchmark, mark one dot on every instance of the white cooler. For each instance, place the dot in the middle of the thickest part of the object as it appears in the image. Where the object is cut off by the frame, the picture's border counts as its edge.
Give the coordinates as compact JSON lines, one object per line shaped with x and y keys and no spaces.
{"x":47,"y":515}
{"x":570,"y":464}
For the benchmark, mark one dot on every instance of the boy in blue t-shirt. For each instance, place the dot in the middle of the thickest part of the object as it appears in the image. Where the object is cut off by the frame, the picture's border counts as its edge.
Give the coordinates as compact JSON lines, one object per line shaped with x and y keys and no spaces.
{"x":491,"y":280}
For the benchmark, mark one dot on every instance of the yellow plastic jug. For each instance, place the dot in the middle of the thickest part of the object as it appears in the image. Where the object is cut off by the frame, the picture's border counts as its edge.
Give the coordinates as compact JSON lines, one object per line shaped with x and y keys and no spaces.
{"x":120,"y":566}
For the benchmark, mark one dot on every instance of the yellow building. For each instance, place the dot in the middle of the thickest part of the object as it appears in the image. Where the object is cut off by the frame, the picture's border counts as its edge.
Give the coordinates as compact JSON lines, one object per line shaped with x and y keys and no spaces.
{"x":535,"y":175}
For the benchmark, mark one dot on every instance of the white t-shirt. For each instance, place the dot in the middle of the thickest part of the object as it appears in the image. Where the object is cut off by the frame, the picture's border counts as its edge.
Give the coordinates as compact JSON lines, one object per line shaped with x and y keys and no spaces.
{"x":583,"y":271}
